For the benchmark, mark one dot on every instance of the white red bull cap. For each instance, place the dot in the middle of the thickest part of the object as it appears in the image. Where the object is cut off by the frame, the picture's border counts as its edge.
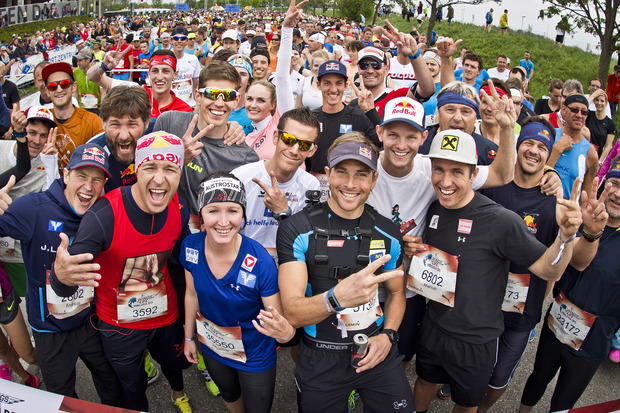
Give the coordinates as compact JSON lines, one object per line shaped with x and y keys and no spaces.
{"x":40,"y":113}
{"x":373,"y":53}
{"x":404,"y":109}
{"x":454,"y":145}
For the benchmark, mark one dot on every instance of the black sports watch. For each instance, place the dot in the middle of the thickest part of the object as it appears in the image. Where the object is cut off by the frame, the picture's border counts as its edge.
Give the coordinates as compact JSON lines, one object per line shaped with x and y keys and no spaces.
{"x":392,"y":335}
{"x":281,"y":216}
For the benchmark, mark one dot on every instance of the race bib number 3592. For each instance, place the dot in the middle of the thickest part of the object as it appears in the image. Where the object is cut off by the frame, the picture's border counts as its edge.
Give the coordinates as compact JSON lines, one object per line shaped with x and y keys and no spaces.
{"x":141,"y":305}
{"x":432,"y":273}
{"x":569,"y":323}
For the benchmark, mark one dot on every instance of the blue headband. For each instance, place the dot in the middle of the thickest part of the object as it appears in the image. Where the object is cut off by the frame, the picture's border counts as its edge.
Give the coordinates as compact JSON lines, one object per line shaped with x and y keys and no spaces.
{"x":614,"y":171}
{"x":451,"y":97}
{"x":538,"y":132}
{"x":241,"y":62}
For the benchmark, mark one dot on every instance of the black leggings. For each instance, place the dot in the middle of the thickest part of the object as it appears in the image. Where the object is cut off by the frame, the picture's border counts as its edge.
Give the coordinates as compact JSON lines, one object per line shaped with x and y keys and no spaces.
{"x":256,"y":388}
{"x":575,"y":374}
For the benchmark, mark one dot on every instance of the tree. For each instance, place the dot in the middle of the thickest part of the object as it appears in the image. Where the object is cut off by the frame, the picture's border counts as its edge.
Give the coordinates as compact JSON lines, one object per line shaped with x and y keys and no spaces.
{"x":437,"y":4}
{"x":597,"y":17}
{"x":351,"y":9}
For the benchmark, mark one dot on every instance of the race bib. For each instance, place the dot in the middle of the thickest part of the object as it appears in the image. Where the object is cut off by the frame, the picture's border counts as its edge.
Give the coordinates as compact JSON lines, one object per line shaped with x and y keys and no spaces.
{"x":63,"y":307}
{"x":516,"y":293}
{"x":134,"y":306}
{"x":569,"y":323}
{"x":89,"y":100}
{"x":195,"y":223}
{"x":183,"y":90}
{"x":224,"y":341}
{"x":361,"y":317}
{"x":432,"y":273}
{"x":7,"y":247}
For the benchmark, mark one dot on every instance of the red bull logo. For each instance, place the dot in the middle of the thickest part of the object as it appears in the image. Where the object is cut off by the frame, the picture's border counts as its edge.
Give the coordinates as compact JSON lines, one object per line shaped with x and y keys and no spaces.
{"x":616,"y":166}
{"x":365,"y":152}
{"x":93,"y":151}
{"x":530,"y":223}
{"x":404,"y":108}
{"x":492,"y":154}
{"x":332,"y":66}
{"x":128,"y":171}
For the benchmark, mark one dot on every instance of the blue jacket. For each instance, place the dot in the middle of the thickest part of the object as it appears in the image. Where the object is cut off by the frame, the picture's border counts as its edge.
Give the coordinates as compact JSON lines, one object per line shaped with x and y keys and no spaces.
{"x":36,"y":220}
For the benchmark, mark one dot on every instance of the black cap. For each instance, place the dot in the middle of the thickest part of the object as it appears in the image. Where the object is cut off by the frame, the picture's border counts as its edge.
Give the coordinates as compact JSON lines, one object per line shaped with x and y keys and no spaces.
{"x":179,"y":30}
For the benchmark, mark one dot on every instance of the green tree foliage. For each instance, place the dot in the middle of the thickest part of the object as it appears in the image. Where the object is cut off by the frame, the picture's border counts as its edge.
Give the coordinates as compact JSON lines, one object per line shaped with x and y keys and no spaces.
{"x":351,"y":9}
{"x":597,"y":17}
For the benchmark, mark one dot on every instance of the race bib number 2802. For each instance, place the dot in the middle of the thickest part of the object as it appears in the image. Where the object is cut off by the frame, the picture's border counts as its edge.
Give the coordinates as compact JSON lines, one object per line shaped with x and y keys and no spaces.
{"x":433,"y":274}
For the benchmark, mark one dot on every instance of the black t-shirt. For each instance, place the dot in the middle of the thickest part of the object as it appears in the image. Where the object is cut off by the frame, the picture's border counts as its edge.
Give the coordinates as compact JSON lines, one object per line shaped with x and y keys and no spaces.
{"x":542,"y":107}
{"x":538,"y":213}
{"x":10,"y":94}
{"x":597,"y":291}
{"x":295,"y":242}
{"x":599,"y":129}
{"x":487,"y":149}
{"x":486,"y":238}
{"x":332,"y":126}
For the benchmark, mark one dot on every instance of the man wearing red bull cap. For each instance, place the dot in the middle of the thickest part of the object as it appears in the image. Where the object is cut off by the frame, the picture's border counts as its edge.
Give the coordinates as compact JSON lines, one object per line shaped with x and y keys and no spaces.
{"x":61,"y":328}
{"x":130,"y":234}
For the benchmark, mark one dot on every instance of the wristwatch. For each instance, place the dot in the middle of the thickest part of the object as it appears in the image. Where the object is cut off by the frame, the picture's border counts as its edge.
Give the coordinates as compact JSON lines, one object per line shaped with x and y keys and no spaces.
{"x":392,"y":335}
{"x":281,"y":216}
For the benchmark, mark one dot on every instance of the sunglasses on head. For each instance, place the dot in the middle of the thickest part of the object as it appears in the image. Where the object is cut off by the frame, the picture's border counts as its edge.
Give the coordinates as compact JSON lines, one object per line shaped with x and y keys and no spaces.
{"x":290,"y":140}
{"x":575,"y":111}
{"x":179,"y":38}
{"x":364,"y":65}
{"x":227,"y":95}
{"x":63,"y":84}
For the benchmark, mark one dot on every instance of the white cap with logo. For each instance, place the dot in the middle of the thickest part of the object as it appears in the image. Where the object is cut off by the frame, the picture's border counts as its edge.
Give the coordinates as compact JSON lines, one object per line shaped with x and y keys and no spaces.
{"x":404,"y":109}
{"x":454,"y":145}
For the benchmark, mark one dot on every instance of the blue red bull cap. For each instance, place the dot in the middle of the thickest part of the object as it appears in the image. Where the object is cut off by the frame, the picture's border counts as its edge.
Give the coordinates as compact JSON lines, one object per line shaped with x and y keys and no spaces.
{"x":89,"y":154}
{"x":333,"y":67}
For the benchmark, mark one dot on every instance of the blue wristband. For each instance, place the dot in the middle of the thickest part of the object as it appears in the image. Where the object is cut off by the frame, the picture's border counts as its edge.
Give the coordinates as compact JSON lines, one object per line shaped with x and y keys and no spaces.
{"x":19,"y":134}
{"x":332,"y":300}
{"x":415,"y":56}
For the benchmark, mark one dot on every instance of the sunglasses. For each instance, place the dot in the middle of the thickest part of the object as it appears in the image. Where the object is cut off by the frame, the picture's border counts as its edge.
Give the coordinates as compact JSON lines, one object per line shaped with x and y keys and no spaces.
{"x":179,"y":38}
{"x":63,"y":84}
{"x":595,"y":86}
{"x":227,"y":95}
{"x":290,"y":140}
{"x":575,"y":111}
{"x":276,"y":39}
{"x":364,"y":65}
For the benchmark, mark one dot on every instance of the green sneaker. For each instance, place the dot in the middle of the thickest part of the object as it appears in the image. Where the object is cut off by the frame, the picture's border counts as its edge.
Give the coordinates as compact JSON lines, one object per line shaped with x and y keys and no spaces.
{"x":182,"y":403}
{"x":353,"y":397}
{"x":151,"y":370}
{"x":211,"y":386}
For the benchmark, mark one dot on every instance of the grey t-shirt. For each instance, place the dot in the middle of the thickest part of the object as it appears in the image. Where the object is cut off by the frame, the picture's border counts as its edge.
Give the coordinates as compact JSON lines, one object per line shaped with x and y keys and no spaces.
{"x":215,"y":156}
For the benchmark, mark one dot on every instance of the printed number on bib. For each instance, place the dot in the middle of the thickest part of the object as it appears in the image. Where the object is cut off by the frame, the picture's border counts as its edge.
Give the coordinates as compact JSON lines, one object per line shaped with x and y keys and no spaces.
{"x":516,"y":293}
{"x":432,"y":273}
{"x":88,"y":100}
{"x":223,"y":341}
{"x":569,"y":323}
{"x":7,"y":247}
{"x":360,"y":317}
{"x":141,"y":305}
{"x":63,"y":307}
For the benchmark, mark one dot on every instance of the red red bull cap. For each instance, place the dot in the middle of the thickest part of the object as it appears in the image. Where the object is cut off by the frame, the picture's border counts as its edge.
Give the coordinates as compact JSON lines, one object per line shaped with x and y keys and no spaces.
{"x":89,"y":154}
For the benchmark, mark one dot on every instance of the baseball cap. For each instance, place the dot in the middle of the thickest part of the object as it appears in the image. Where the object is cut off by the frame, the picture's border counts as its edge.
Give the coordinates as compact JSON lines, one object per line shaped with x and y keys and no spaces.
{"x":81,"y":41}
{"x":89,"y":154}
{"x":57,"y":67}
{"x":373,"y":53}
{"x":230,"y":34}
{"x":179,"y":30}
{"x":40,"y":113}
{"x":357,"y":151}
{"x":252,"y":32}
{"x":404,"y":109}
{"x":454,"y":145}
{"x":191,"y":35}
{"x":258,"y":41}
{"x":85,"y":53}
{"x":332,"y":67}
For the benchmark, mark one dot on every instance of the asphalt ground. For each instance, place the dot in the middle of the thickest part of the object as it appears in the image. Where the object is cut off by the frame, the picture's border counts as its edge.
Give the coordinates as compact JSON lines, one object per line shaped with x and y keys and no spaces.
{"x":605,"y":386}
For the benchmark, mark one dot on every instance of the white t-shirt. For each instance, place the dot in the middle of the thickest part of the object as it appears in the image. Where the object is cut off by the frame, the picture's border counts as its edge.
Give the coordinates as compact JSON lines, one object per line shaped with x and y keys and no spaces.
{"x":493,"y":72}
{"x":310,"y":96}
{"x":413,"y":203}
{"x":402,"y":75}
{"x":296,"y":79}
{"x":261,"y":226}
{"x":189,"y":68}
{"x":245,"y":48}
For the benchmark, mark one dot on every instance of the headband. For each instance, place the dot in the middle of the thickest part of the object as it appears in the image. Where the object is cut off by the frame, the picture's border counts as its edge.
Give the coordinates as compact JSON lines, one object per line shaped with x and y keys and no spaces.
{"x":221,"y":189}
{"x":451,"y":97}
{"x":576,"y":98}
{"x":538,"y":132}
{"x":515,"y":93}
{"x":242,"y":63}
{"x":163,"y":60}
{"x":487,"y":89}
{"x":159,"y":146}
{"x":318,"y":37}
{"x":614,"y":171}
{"x":432,"y":55}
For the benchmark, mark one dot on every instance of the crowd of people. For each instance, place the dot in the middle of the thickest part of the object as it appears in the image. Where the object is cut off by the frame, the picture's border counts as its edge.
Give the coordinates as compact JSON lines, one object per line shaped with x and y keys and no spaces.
{"x":207,"y":187}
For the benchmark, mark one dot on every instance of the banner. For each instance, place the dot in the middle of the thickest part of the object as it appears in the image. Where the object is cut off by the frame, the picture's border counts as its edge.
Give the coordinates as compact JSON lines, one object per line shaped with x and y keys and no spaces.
{"x":23,"y":72}
{"x":34,"y":12}
{"x":233,"y":8}
{"x":182,"y":6}
{"x":17,"y":398}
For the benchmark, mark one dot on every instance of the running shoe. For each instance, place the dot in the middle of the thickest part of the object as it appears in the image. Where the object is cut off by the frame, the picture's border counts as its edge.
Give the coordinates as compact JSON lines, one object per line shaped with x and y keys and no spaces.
{"x":182,"y":403}
{"x":151,"y":370}
{"x":211,"y":386}
{"x":614,"y":355}
{"x":444,"y":392}
{"x":5,"y":371}
{"x":32,"y":381}
{"x":353,"y":398}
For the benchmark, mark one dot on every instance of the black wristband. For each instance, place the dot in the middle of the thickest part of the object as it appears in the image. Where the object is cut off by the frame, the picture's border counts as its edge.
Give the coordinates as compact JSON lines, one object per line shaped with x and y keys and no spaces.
{"x":104,"y":67}
{"x":552,"y":170}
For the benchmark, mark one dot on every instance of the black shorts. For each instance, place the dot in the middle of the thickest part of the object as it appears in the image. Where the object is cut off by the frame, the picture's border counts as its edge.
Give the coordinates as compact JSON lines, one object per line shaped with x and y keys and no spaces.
{"x":511,"y":347}
{"x":325,"y":379}
{"x":9,"y":307}
{"x":559,"y":38}
{"x":465,"y":366}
